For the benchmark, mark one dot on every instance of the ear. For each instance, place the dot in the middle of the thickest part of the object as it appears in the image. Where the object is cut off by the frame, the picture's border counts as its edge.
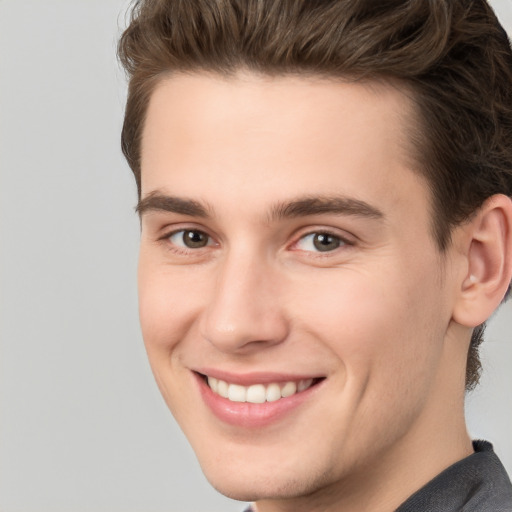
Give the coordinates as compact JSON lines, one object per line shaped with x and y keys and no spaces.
{"x":488,"y":266}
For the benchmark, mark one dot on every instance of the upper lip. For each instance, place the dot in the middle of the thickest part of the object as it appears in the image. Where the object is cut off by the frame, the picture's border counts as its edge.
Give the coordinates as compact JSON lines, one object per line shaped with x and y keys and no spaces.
{"x":246,"y":379}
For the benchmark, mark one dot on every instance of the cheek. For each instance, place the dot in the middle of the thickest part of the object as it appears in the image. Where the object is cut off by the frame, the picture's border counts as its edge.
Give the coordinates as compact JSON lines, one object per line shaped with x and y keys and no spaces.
{"x":168,"y":304}
{"x":166,"y":309}
{"x":376,"y":328}
{"x":376,"y":333}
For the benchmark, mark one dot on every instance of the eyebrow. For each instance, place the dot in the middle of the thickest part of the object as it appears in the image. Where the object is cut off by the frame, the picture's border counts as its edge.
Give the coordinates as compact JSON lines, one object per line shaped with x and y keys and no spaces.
{"x":301,"y":207}
{"x":155,"y":201}
{"x":318,"y":205}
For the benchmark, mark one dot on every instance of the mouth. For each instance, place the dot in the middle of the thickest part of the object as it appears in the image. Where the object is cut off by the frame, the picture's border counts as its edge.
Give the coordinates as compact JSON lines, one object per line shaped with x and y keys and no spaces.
{"x":258,"y":393}
{"x":255,"y":400}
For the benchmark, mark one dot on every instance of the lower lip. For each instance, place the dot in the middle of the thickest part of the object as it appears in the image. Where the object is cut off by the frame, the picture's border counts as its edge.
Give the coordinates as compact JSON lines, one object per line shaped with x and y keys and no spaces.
{"x":249,"y":415}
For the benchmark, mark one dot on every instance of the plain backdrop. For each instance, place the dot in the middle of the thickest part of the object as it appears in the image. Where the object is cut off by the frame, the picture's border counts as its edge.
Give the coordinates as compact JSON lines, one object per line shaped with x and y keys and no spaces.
{"x":83,"y":427}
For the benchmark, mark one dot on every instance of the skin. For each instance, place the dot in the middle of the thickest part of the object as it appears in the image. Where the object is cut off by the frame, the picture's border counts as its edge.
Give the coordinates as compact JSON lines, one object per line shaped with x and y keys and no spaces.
{"x":374,"y":316}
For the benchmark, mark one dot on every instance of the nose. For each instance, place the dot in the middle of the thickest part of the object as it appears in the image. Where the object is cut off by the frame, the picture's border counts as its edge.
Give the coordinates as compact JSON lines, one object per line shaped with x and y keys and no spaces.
{"x":245,"y":312}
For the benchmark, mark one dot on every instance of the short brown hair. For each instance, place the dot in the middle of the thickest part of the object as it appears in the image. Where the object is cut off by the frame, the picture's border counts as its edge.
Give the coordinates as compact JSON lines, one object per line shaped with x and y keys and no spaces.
{"x":452,"y":54}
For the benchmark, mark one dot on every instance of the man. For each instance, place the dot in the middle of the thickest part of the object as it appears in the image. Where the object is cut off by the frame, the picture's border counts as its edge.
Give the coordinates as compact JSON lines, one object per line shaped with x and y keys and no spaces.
{"x":325,"y":198}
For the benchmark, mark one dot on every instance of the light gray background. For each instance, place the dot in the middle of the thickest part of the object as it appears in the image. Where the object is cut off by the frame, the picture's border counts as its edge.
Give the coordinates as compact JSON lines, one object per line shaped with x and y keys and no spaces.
{"x":83,"y":427}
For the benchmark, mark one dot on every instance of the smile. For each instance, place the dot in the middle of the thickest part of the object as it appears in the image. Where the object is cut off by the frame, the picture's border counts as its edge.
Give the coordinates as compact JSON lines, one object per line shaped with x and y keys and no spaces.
{"x":258,"y":393}
{"x":256,"y":400}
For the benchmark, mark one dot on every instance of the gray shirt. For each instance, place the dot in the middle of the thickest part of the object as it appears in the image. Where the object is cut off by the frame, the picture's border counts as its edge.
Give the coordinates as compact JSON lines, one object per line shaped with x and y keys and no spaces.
{"x":478,"y":483}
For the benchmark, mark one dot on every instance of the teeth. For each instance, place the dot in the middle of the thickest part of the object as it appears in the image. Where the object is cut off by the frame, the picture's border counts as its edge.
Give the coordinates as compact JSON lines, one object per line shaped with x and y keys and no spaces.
{"x":213,"y":383}
{"x":273,"y":392}
{"x":237,"y":393}
{"x":304,"y":384}
{"x":289,"y":389}
{"x":222,"y":388}
{"x":257,"y":393}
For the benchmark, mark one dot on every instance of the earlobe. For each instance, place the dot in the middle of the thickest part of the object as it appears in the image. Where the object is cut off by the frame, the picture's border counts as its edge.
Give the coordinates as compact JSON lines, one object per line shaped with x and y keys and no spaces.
{"x":488,"y":269}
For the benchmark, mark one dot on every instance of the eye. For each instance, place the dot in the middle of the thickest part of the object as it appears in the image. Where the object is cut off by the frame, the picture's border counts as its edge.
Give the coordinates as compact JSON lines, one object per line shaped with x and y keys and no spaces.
{"x":320,"y":242}
{"x":190,"y":239}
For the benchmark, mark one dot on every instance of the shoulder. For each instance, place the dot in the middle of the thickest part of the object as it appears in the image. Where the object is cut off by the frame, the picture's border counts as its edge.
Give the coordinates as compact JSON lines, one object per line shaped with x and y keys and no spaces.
{"x":478,"y":482}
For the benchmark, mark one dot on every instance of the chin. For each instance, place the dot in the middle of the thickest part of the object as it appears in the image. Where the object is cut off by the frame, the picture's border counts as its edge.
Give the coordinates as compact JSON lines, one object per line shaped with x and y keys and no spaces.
{"x":256,"y":491}
{"x":254,"y":484}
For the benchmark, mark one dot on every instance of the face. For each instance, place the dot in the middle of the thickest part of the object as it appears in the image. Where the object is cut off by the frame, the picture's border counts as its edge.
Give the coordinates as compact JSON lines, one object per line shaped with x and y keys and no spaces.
{"x":293,"y":303}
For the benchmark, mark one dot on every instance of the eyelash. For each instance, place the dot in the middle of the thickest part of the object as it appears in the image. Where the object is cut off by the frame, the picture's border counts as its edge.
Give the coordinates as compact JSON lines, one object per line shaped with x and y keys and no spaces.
{"x":166,"y":239}
{"x":343,"y":241}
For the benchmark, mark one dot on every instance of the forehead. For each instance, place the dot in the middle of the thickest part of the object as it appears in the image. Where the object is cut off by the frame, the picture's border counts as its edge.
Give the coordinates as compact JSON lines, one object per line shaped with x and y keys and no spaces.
{"x":196,"y":104}
{"x":276,"y":136}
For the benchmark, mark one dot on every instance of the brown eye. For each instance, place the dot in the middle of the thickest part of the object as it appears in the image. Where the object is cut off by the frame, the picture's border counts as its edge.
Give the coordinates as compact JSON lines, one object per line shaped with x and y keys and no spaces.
{"x":320,"y":242}
{"x":325,"y":242}
{"x":190,"y":238}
